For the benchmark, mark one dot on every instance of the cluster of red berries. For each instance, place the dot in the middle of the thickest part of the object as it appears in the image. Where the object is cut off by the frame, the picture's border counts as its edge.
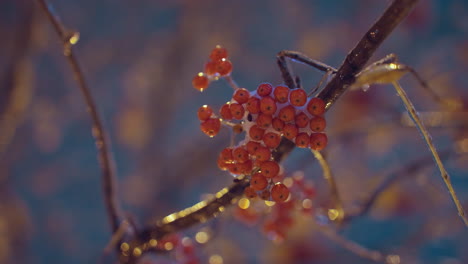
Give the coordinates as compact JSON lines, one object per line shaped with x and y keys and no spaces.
{"x":218,"y":66}
{"x":266,"y":114}
{"x":282,"y":216}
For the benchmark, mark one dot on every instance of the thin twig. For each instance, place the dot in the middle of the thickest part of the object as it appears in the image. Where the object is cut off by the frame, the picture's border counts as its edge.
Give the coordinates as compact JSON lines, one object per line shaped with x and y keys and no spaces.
{"x":69,"y":38}
{"x":427,"y":137}
{"x":352,"y":246}
{"x":338,"y":212}
{"x":409,"y":169}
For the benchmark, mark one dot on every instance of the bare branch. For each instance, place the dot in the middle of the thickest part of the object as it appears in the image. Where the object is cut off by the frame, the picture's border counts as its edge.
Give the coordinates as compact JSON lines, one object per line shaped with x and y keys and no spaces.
{"x":69,"y":38}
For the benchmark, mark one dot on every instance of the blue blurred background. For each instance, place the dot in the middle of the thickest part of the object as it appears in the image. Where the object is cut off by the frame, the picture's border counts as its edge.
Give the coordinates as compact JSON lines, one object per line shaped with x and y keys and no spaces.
{"x":139,"y":58}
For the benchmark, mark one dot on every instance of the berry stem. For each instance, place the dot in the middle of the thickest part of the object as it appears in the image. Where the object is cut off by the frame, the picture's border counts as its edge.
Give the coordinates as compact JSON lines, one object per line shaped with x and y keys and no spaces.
{"x":427,"y":137}
{"x":231,"y":82}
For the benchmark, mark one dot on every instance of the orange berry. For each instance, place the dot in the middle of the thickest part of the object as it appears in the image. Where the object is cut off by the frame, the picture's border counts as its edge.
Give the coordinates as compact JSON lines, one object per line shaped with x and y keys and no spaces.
{"x":234,"y":168}
{"x":269,"y":169}
{"x":281,"y":94}
{"x":253,"y":105}
{"x":218,"y":53}
{"x":263,"y":153}
{"x":225,"y":112}
{"x":316,"y":106}
{"x":264,"y":120}
{"x":258,"y":182}
{"x":279,"y":192}
{"x":256,"y":133}
{"x":317,"y":124}
{"x":277,"y":124}
{"x":268,"y":105}
{"x":237,"y":111}
{"x":204,"y":112}
{"x":318,"y":141}
{"x":287,"y":113}
{"x":241,"y":95}
{"x":223,"y":67}
{"x":264,"y":89}
{"x":265,"y":195}
{"x":290,"y":131}
{"x":250,"y":192}
{"x":245,"y":167}
{"x":271,"y":140}
{"x":240,"y":154}
{"x":252,"y":146}
{"x":223,"y":165}
{"x":302,"y":140}
{"x":298,"y":97}
{"x":210,"y":68}
{"x":211,"y":127}
{"x":200,"y":82}
{"x":237,"y":128}
{"x":301,"y":120}
{"x":226,"y":155}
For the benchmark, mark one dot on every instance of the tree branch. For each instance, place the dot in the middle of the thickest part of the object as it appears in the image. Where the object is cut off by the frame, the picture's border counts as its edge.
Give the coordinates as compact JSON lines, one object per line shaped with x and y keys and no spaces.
{"x":353,"y":63}
{"x":69,"y":38}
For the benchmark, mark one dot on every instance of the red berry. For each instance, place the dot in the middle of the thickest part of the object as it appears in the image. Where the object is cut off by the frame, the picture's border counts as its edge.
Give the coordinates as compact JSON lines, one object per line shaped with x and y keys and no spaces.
{"x":211,"y":127}
{"x":241,"y":95}
{"x":301,"y":120}
{"x":263,"y":153}
{"x":318,"y":141}
{"x":237,"y":111}
{"x":258,"y":182}
{"x":223,"y":165}
{"x":265,"y":195}
{"x":226,"y":155}
{"x":240,"y":154}
{"x":250,"y":192}
{"x":224,"y":67}
{"x":264,"y":89}
{"x":245,"y":167}
{"x":252,"y":146}
{"x":279,"y":192}
{"x":204,"y":112}
{"x":253,"y":105}
{"x":271,"y":140}
{"x":225,"y":111}
{"x":277,"y":124}
{"x":210,"y":68}
{"x":317,"y":124}
{"x":237,"y":128}
{"x":264,"y":120}
{"x":316,"y":106}
{"x":268,"y":105}
{"x":218,"y":53}
{"x":302,"y":140}
{"x":287,"y":113}
{"x":256,"y":133}
{"x":234,"y":168}
{"x":281,"y":93}
{"x":200,"y":82}
{"x":298,"y":97}
{"x":290,"y":131}
{"x":269,"y":169}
